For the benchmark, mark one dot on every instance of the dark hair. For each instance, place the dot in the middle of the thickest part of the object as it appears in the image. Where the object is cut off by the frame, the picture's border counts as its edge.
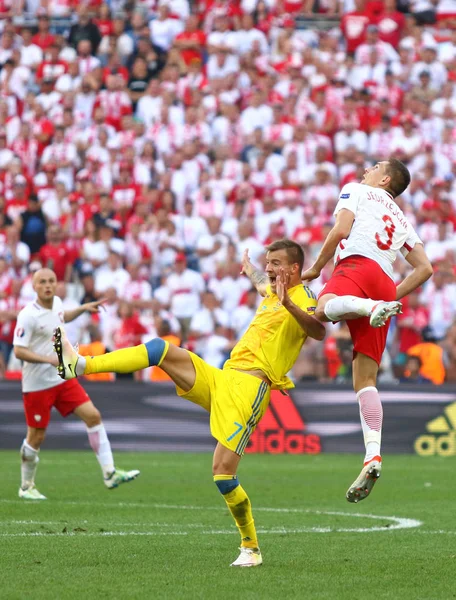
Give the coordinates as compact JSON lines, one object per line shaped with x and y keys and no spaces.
{"x":400,"y":176}
{"x":294,"y":251}
{"x":416,"y":358}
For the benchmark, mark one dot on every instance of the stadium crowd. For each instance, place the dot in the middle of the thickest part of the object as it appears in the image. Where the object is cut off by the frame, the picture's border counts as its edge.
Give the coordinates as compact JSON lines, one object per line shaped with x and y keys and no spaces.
{"x":145,"y":145}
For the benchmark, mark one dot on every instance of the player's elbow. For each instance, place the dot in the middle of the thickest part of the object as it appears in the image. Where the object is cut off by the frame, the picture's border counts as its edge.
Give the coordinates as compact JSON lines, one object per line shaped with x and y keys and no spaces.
{"x":18,"y":352}
{"x":319,"y":333}
{"x":428,"y":271}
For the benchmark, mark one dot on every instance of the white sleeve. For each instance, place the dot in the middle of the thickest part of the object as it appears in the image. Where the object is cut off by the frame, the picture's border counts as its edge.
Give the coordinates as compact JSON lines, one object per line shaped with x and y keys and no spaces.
{"x":348,"y":198}
{"x":24,"y":330}
{"x":411,"y":241}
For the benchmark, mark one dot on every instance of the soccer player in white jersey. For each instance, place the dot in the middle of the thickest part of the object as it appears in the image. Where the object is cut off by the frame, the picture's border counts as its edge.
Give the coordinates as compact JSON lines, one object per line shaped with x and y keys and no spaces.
{"x":43,"y":388}
{"x":369,"y":231}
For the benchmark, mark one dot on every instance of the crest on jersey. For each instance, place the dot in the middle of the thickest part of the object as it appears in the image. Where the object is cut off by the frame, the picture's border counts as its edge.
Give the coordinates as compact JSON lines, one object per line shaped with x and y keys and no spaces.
{"x":19,"y":332}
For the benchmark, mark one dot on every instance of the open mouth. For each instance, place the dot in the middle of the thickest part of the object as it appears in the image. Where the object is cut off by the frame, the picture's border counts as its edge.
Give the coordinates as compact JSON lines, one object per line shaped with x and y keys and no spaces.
{"x":272,"y":280}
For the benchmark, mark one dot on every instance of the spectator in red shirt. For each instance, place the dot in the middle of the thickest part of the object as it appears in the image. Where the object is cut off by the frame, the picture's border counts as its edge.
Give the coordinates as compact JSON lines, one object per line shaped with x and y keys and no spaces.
{"x":52,"y":67}
{"x":191,"y":41}
{"x":391,"y":24}
{"x":410,"y":323}
{"x":44,"y":39}
{"x":55,"y":254}
{"x":354,"y":26}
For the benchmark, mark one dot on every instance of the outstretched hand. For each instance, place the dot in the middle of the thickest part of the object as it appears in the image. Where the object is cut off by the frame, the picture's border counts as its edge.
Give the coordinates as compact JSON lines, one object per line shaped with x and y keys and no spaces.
{"x":282,"y":283}
{"x":310,"y":274}
{"x":245,"y":262}
{"x":94,"y":307}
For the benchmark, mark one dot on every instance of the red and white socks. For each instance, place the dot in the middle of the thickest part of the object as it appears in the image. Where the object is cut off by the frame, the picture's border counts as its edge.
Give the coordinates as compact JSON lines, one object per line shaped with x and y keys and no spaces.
{"x":371,"y":413}
{"x":98,"y":440}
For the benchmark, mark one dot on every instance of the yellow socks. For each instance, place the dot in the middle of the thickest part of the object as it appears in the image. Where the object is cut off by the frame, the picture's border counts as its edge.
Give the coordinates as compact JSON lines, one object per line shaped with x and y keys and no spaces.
{"x":239,"y":505}
{"x":128,"y":360}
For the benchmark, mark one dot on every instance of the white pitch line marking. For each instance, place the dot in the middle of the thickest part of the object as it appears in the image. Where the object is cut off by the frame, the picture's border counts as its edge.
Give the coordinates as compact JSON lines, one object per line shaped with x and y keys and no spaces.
{"x":397,"y":522}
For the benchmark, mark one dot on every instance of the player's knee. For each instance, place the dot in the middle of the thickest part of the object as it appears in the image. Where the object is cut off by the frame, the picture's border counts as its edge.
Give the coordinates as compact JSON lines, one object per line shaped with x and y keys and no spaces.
{"x":155,"y":349}
{"x":225,"y":486}
{"x":35,"y":438}
{"x":93,"y":418}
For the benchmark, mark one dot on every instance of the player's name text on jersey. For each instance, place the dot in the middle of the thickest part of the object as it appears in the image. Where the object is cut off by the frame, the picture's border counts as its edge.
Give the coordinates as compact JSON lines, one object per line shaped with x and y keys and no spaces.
{"x":391,"y":206}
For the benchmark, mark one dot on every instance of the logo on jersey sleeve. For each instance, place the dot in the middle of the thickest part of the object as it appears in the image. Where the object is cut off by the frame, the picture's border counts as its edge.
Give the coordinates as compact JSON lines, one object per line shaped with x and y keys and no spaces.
{"x":19,"y":332}
{"x":311,"y":310}
{"x":344,"y":196}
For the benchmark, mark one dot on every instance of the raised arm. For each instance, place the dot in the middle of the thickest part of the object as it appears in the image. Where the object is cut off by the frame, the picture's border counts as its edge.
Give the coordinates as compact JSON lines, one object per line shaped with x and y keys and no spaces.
{"x":340,"y":231}
{"x":422,"y":270}
{"x":91,"y":307}
{"x":309,"y":324}
{"x":258,"y":279}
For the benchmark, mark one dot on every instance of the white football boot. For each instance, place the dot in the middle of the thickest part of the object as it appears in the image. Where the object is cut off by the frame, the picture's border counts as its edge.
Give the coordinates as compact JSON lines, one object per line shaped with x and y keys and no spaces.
{"x":67,"y":355}
{"x":118,"y":477}
{"x":31,"y":493}
{"x":366,"y":480}
{"x":382,"y":311}
{"x":249,"y":557}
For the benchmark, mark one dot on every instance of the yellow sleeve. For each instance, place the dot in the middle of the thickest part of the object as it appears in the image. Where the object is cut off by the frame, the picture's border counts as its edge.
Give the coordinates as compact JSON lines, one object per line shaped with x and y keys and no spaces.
{"x":306,"y":300}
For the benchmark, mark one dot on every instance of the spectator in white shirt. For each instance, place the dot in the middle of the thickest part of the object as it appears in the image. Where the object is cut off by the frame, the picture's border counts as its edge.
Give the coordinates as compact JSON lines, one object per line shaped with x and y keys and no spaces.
{"x":163,"y":30}
{"x":242,"y":316}
{"x":429,"y":62}
{"x":204,"y":321}
{"x":112,"y":275}
{"x":31,"y":54}
{"x":184,"y":287}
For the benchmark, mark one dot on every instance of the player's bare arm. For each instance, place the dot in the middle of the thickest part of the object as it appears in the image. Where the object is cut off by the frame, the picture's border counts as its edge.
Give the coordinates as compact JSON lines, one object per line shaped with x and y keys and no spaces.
{"x":23,"y":353}
{"x":340,"y":231}
{"x":90,"y":307}
{"x":259,"y":280}
{"x":422,"y":271}
{"x":312,"y":327}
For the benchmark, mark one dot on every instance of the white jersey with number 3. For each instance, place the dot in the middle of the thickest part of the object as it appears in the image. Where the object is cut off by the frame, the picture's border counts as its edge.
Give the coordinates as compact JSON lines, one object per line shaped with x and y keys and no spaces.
{"x":34,"y":330}
{"x":380,"y":229}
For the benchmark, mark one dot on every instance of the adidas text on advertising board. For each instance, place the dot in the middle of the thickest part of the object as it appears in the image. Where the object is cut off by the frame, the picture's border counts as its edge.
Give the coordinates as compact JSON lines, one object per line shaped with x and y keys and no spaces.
{"x":281,"y":430}
{"x":441,"y":437}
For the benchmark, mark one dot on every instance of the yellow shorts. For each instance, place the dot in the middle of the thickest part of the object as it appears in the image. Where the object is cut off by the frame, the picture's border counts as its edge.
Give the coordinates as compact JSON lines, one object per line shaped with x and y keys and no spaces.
{"x":236,"y":402}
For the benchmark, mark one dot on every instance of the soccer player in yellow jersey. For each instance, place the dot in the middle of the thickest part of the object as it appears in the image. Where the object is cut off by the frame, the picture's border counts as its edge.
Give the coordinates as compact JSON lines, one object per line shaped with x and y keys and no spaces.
{"x":237,"y":396}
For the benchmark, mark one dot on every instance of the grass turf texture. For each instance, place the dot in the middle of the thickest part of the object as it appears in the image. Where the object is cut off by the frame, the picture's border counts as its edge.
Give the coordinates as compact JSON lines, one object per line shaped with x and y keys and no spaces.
{"x":139,"y":541}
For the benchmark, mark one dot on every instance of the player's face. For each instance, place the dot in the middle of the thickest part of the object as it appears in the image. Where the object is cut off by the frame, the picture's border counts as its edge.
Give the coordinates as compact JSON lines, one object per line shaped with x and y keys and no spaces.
{"x":275,"y":261}
{"x":375,"y":175}
{"x":45,"y":287}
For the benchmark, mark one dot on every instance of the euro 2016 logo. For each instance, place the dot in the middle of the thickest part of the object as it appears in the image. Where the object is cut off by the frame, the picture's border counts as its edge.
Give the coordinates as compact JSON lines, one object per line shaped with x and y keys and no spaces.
{"x":19,"y":332}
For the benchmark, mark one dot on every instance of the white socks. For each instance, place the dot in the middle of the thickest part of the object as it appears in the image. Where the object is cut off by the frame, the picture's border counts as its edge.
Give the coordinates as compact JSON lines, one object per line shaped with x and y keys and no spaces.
{"x":371,"y":413}
{"x":29,"y":465}
{"x":337,"y":308}
{"x":99,"y":442}
{"x":80,"y":366}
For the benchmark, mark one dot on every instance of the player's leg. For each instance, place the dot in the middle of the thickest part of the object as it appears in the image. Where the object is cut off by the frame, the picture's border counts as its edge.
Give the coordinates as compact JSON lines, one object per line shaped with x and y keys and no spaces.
{"x":358,"y":288}
{"x":29,"y":463}
{"x":176,"y":362}
{"x":37,"y":408}
{"x":72,"y":398}
{"x":346,"y":307}
{"x":224,"y":469}
{"x":369,"y":344}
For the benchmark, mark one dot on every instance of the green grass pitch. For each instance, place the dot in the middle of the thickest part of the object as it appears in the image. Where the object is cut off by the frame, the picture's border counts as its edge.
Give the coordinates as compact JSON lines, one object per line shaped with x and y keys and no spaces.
{"x":168,"y":535}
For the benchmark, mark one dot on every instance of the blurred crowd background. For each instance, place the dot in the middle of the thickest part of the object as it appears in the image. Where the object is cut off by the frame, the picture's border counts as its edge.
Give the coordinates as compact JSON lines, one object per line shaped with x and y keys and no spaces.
{"x":144,"y":145}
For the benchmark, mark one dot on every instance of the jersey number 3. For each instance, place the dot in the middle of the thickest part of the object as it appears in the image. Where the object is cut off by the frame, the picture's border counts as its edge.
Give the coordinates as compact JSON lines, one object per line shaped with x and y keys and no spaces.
{"x":390,"y":228}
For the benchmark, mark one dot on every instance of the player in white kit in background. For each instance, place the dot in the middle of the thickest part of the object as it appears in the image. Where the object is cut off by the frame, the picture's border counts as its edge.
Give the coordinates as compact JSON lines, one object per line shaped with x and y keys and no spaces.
{"x":43,"y":388}
{"x":369,"y":232}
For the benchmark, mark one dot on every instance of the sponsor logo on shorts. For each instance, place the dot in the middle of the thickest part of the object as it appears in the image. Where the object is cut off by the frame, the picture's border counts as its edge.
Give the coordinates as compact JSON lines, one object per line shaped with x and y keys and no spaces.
{"x":344,"y":196}
{"x":441,"y":437}
{"x":281,"y":430}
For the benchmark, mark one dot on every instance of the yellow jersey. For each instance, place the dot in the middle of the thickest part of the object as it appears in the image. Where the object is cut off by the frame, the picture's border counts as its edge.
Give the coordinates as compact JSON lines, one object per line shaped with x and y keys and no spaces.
{"x":274,"y":338}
